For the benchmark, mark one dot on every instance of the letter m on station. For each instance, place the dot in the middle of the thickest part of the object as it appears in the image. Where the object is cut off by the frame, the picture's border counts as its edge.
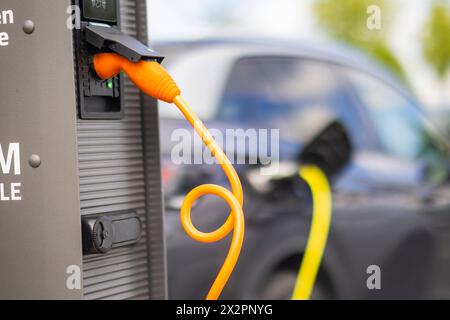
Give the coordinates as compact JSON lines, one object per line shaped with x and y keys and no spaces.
{"x":10,"y":158}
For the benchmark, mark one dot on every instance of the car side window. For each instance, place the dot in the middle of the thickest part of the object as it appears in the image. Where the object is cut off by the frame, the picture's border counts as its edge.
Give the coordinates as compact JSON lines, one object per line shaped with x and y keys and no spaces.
{"x":297,"y":96}
{"x":401,"y":126}
{"x":248,"y":95}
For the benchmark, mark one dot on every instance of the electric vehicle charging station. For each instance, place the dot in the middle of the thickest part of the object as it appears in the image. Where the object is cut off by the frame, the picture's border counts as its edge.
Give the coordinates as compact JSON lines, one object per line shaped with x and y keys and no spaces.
{"x":81,"y":186}
{"x":81,"y":210}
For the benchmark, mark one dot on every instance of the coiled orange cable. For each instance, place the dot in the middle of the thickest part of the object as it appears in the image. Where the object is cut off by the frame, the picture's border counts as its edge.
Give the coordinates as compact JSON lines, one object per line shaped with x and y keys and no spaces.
{"x":152,"y":79}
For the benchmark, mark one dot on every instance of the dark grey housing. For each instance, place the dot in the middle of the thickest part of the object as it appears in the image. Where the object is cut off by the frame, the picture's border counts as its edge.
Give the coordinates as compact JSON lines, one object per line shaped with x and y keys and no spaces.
{"x":88,"y":167}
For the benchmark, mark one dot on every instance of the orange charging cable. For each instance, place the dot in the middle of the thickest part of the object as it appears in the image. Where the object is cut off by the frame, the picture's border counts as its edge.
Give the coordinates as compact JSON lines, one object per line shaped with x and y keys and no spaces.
{"x":153,"y":80}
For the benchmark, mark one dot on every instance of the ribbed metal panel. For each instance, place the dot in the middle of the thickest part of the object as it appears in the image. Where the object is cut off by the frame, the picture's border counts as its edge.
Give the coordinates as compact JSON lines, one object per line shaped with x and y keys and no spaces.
{"x":112,"y":178}
{"x":155,"y":221}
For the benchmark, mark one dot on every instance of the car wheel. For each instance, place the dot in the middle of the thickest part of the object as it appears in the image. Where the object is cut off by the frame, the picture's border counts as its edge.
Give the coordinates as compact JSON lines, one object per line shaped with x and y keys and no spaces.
{"x":281,"y":285}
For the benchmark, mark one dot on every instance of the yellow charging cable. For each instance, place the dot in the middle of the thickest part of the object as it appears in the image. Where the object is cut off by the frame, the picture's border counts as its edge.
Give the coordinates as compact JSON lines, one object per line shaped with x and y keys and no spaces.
{"x":153,"y":79}
{"x":318,"y":235}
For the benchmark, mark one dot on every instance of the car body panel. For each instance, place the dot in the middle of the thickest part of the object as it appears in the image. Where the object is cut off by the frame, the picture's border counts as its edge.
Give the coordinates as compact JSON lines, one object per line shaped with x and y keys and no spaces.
{"x":380,"y":214}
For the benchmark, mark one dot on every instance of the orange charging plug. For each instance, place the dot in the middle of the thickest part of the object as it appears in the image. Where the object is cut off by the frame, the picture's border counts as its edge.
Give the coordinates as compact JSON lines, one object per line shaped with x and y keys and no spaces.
{"x":153,"y":80}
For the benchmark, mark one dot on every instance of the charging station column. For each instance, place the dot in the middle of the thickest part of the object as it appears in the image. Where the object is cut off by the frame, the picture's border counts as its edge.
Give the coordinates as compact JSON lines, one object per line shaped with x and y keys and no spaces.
{"x":80,"y":190}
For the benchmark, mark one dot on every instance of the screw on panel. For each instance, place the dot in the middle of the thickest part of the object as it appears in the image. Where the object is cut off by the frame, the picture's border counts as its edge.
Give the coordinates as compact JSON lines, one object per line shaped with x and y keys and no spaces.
{"x":34,"y":161}
{"x":28,"y":27}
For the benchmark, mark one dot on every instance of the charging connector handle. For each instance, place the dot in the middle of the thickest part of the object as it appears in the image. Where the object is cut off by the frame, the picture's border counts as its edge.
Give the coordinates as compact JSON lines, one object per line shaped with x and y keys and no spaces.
{"x":152,"y":79}
{"x":148,"y":76}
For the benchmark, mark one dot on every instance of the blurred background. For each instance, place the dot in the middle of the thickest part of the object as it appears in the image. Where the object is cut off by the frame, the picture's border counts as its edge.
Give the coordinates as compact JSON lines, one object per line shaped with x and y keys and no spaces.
{"x":413,"y":40}
{"x":378,"y":71}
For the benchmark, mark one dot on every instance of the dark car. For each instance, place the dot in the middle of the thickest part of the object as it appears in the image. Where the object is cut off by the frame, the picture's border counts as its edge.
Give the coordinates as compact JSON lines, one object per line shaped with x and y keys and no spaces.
{"x":390,"y":199}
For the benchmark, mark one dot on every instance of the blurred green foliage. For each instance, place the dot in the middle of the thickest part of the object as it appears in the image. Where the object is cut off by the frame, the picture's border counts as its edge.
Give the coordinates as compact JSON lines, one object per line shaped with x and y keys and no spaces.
{"x":436,"y":39}
{"x":346,"y":21}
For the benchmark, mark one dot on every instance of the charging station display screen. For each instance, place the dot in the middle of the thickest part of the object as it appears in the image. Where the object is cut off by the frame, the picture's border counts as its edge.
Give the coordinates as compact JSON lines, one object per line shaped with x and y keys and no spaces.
{"x":100,"y":10}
